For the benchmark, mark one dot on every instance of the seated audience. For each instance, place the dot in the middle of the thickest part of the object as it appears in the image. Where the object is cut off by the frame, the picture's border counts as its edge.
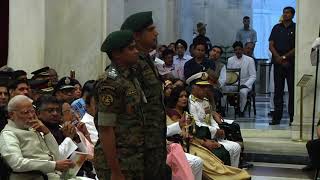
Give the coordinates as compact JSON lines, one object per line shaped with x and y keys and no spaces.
{"x":28,"y":145}
{"x":18,"y":87}
{"x":79,"y":105}
{"x":4,"y":98}
{"x":171,"y":46}
{"x":19,"y":75}
{"x":160,"y":49}
{"x":199,"y":62}
{"x":220,"y":68}
{"x":41,"y":74}
{"x":53,"y":76}
{"x":248,"y":74}
{"x":181,"y":58}
{"x":77,"y":88}
{"x":70,"y":135}
{"x":64,"y":90}
{"x":91,"y":112}
{"x":177,"y":116}
{"x":167,"y":70}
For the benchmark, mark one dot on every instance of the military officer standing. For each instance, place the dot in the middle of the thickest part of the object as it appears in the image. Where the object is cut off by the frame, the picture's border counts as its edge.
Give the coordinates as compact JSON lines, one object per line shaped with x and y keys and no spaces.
{"x":145,"y":35}
{"x":119,"y":152}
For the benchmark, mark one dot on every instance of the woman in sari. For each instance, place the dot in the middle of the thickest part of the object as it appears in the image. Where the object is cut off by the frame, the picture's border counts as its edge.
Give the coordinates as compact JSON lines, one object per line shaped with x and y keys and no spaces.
{"x":213,"y":167}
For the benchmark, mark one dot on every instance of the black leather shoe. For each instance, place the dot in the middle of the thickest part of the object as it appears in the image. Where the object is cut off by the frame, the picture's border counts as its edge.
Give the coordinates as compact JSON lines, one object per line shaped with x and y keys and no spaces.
{"x":308,"y":168}
{"x":246,"y":165}
{"x":270,"y":113}
{"x":241,"y":114}
{"x":274,"y":123}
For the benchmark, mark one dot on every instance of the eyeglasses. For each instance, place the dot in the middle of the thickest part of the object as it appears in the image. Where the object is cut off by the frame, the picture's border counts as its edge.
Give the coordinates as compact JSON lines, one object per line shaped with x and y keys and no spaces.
{"x":26,"y":112}
{"x":51,"y":110}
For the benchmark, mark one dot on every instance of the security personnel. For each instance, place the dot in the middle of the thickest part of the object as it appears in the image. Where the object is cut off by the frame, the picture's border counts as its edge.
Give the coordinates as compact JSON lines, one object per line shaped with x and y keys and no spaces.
{"x":145,"y":35}
{"x":119,"y":152}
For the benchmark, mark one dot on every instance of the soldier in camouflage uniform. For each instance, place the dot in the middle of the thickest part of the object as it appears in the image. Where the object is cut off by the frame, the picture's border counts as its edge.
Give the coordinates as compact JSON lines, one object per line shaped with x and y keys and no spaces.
{"x":119,"y":152}
{"x":145,"y":35}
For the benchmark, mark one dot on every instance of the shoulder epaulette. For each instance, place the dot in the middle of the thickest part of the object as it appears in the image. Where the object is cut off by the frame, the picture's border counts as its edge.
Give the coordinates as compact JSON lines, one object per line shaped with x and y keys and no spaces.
{"x":112,"y":72}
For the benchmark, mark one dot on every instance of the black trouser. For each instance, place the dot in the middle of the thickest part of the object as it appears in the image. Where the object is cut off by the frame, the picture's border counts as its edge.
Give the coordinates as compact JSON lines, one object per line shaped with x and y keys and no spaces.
{"x":313,"y":148}
{"x":281,"y":73}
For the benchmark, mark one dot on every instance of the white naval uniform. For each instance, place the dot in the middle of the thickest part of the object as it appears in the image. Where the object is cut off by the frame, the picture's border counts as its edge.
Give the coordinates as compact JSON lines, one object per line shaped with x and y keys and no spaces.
{"x":200,"y":109}
{"x":195,"y":162}
{"x":248,"y":76}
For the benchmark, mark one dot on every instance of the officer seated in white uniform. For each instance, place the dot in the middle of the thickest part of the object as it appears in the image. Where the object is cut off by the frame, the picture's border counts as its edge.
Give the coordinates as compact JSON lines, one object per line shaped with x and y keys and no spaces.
{"x":200,"y":108}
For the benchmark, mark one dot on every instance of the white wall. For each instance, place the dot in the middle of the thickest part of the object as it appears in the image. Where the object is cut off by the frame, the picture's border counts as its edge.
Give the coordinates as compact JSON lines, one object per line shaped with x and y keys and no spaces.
{"x":161,"y":11}
{"x":26,"y":34}
{"x":223,"y":18}
{"x":115,"y":14}
{"x":74,"y":32}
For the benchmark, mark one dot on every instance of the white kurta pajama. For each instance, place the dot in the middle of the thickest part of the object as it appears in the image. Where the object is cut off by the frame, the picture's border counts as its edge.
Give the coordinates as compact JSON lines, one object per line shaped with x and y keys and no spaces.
{"x":248,"y":76}
{"x":27,"y":150}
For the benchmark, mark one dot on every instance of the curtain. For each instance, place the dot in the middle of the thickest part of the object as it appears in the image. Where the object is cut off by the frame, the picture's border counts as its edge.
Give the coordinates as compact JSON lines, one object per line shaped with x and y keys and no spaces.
{"x":4,"y":31}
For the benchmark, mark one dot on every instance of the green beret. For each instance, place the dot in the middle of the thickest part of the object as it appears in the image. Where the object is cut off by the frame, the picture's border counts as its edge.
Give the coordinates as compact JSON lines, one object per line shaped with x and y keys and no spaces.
{"x":137,"y":22}
{"x":117,"y":40}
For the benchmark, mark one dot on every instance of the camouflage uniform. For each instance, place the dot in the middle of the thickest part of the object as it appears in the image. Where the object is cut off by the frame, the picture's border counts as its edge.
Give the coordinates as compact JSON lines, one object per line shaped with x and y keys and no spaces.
{"x":119,"y":101}
{"x":155,"y":121}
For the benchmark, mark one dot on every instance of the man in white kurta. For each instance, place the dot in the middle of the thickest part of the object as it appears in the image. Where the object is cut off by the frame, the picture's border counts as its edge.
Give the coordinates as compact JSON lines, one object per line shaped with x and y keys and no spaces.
{"x":195,"y":162}
{"x":248,"y":73}
{"x":29,"y":149}
{"x":200,"y":108}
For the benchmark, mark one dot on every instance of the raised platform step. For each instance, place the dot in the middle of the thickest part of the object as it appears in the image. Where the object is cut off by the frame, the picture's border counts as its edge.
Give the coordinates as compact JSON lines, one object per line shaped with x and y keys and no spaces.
{"x":265,"y":133}
{"x":273,"y":145}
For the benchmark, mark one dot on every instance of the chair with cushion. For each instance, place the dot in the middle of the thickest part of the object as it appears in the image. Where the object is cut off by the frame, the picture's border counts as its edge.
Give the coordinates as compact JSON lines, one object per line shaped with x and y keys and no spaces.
{"x":233,"y":97}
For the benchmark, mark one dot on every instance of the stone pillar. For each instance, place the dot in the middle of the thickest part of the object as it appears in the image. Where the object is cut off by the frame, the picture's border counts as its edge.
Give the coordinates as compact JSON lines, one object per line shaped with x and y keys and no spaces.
{"x":75,"y":31}
{"x":26,"y":34}
{"x":185,"y":20}
{"x":308,"y":21}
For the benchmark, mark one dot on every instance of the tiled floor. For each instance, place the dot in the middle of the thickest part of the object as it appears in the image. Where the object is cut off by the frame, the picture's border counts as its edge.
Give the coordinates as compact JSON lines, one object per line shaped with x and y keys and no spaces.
{"x":269,"y":171}
{"x":261,"y":120}
{"x":272,"y":171}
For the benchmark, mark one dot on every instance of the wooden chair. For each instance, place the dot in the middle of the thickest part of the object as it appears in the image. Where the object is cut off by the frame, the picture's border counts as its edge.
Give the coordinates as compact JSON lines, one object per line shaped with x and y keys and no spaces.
{"x":233,"y":97}
{"x":251,"y":99}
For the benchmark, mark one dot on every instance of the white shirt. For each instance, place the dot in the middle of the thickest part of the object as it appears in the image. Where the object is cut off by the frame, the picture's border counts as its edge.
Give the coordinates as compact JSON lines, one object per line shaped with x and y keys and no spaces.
{"x":223,"y":76}
{"x":89,"y":121}
{"x":163,"y":69}
{"x":200,"y":109}
{"x":179,"y":65}
{"x":248,"y":69}
{"x":173,"y":129}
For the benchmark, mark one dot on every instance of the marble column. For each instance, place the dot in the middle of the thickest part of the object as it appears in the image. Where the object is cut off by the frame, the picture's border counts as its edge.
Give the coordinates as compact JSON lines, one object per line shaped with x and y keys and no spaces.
{"x":308,"y":21}
{"x":26,"y":34}
{"x":74,"y":32}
